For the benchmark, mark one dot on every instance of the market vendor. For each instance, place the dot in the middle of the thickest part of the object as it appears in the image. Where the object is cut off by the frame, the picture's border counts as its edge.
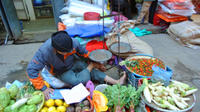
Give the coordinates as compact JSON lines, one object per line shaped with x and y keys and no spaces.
{"x":144,"y":14}
{"x":58,"y":56}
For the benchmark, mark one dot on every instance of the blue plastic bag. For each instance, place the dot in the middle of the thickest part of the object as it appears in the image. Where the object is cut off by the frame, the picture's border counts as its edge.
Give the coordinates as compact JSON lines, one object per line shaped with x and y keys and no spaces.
{"x":56,"y":94}
{"x":87,"y":30}
{"x":161,"y":75}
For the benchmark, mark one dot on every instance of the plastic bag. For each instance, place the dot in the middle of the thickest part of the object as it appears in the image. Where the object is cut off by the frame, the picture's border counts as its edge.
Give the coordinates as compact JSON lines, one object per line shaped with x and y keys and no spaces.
{"x":161,"y":75}
{"x":100,"y":101}
{"x":53,"y":81}
{"x":74,"y":7}
{"x":179,"y":5}
{"x":187,"y":12}
{"x":56,"y":94}
{"x":87,"y":30}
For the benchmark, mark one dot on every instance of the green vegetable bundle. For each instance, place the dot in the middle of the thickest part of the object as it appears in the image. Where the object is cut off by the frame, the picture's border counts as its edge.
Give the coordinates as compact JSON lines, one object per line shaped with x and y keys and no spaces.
{"x":4,"y":98}
{"x":24,"y":99}
{"x":124,"y":96}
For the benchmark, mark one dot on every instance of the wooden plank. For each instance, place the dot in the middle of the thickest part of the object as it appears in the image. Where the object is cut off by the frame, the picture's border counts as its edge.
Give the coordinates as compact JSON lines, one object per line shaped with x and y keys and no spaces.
{"x":30,"y":9}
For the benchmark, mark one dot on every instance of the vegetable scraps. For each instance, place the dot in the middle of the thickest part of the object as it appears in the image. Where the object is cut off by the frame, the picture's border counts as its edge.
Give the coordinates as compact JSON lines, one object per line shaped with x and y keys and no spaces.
{"x":172,"y":97}
{"x":142,"y":66}
{"x":121,"y":98}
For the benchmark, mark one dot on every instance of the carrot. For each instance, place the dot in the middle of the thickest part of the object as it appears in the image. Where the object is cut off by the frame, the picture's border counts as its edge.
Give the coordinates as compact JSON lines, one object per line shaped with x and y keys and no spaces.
{"x":147,"y":109}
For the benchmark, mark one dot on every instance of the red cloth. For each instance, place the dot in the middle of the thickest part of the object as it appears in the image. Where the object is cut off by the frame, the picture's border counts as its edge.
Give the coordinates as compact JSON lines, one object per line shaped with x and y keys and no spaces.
{"x":94,"y":45}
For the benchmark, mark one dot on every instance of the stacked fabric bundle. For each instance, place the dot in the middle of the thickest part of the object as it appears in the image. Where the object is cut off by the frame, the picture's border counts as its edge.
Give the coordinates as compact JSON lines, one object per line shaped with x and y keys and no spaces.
{"x":186,"y":33}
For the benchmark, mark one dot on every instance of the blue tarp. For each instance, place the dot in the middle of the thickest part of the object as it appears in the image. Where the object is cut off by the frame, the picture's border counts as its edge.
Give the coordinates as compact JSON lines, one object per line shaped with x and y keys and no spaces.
{"x":87,"y":30}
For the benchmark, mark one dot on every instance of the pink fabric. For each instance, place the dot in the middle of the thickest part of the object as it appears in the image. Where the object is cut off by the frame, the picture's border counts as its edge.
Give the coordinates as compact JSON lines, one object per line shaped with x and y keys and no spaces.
{"x":120,"y":17}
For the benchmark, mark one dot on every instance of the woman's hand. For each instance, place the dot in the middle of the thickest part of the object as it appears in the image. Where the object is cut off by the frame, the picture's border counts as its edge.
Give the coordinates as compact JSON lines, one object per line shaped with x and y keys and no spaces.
{"x":47,"y":93}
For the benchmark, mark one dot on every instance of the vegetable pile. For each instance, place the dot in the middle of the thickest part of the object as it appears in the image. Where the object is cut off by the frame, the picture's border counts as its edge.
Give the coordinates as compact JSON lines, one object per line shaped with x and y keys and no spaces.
{"x":24,"y":99}
{"x":172,"y":97}
{"x":142,"y":65}
{"x":57,"y":105}
{"x":122,"y":98}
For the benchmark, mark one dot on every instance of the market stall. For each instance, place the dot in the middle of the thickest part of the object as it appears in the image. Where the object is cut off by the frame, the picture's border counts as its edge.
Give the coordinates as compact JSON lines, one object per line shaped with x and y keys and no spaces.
{"x":112,"y":40}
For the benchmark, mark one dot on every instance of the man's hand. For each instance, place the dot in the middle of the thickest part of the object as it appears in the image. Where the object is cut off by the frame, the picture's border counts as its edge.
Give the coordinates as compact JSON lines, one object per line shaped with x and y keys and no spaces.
{"x":47,"y":93}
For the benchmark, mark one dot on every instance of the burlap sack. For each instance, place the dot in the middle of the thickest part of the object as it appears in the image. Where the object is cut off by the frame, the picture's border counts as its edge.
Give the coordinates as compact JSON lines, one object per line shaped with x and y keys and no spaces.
{"x":196,"y":18}
{"x":186,"y":30}
{"x":195,"y":41}
{"x":137,"y":46}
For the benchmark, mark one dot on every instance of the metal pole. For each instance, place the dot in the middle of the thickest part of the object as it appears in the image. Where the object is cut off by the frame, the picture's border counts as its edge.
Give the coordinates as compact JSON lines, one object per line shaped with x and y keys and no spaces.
{"x":103,"y":24}
{"x":118,"y":35}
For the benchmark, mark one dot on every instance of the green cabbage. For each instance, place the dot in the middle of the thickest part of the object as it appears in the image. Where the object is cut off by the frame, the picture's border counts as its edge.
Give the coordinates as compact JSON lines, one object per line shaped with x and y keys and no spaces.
{"x":36,"y":99}
{"x":32,"y":108}
{"x":8,"y":109}
{"x":13,"y":91}
{"x":23,"y":108}
{"x":1,"y":108}
{"x":4,"y":97}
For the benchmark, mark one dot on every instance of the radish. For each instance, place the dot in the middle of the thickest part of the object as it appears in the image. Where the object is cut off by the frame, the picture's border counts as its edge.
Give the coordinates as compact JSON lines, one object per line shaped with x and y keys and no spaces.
{"x":19,"y":103}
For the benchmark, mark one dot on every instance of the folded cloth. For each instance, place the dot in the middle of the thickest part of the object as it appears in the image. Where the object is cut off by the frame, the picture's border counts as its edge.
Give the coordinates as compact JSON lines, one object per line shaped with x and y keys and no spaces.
{"x":140,"y":32}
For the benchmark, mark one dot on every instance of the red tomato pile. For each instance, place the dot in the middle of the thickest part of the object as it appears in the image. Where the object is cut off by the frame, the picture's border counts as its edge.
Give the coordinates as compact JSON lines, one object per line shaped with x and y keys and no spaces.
{"x":144,"y":66}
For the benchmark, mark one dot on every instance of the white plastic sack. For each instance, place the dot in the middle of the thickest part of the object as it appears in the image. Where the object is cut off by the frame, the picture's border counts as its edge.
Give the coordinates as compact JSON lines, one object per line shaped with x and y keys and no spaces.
{"x":78,"y":8}
{"x":71,"y":21}
{"x":178,"y":12}
{"x":106,"y":22}
{"x":53,"y":81}
{"x":186,"y":30}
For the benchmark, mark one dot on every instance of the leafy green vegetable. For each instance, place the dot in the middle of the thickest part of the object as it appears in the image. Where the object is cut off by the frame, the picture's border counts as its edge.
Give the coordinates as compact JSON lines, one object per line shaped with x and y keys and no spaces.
{"x":123,"y":96}
{"x":12,"y":102}
{"x":4,"y":97}
{"x":8,"y":109}
{"x":1,"y":108}
{"x":13,"y":90}
{"x":26,"y":89}
{"x":23,"y":108}
{"x":35,"y":99}
{"x":32,"y":108}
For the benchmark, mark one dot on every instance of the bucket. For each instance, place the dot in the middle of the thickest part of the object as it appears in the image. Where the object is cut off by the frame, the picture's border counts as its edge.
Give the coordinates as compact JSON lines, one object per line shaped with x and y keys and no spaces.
{"x":91,"y":16}
{"x":101,"y":87}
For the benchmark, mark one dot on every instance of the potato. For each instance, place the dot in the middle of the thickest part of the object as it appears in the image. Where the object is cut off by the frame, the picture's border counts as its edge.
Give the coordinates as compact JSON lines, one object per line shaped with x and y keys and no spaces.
{"x":84,"y":108}
{"x":78,"y":109}
{"x":70,"y":109}
{"x":86,"y":103}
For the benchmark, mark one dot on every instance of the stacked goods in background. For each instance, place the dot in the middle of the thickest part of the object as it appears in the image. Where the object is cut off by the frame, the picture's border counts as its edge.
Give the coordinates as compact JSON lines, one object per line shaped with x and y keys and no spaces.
{"x":197,"y":5}
{"x":175,"y":10}
{"x":187,"y":33}
{"x":178,"y":7}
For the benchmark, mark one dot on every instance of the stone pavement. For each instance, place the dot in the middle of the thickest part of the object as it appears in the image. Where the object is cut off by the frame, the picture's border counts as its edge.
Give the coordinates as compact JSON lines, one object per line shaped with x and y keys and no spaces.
{"x":183,"y":61}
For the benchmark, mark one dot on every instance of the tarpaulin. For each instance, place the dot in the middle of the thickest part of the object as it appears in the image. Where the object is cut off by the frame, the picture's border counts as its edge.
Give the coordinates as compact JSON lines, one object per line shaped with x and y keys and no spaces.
{"x":87,"y":30}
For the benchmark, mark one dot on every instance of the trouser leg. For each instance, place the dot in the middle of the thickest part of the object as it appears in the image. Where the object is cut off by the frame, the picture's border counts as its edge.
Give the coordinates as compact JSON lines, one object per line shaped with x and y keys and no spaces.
{"x":144,"y":11}
{"x":80,"y":74}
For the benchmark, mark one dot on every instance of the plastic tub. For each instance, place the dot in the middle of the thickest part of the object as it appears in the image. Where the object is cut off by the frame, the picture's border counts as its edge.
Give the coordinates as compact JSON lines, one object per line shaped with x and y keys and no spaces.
{"x":101,"y":87}
{"x":141,"y":76}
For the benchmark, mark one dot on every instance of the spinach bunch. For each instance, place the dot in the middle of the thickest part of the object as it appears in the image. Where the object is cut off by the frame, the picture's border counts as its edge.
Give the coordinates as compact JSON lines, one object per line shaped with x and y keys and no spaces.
{"x":123,"y":96}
